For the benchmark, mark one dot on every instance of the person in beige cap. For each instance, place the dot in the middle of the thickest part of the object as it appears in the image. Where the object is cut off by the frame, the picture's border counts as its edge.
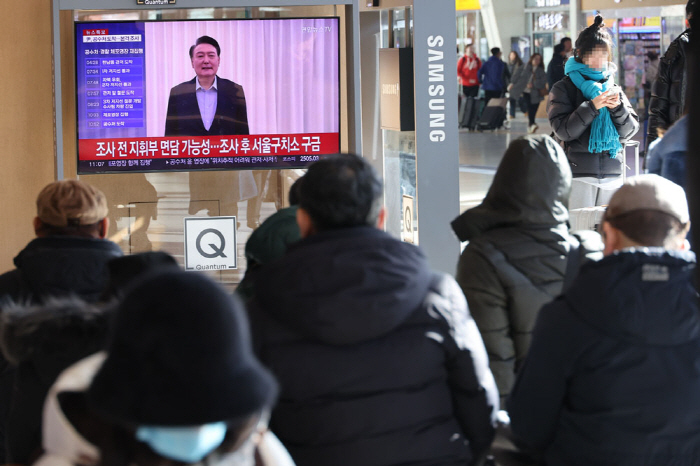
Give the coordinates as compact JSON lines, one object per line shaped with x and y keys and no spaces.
{"x":68,"y":257}
{"x":613,"y":372}
{"x":70,"y":253}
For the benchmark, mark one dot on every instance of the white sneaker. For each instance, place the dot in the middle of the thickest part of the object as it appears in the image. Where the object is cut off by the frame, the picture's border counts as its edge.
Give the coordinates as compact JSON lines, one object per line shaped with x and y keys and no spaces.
{"x":532,"y":128}
{"x":506,"y":124}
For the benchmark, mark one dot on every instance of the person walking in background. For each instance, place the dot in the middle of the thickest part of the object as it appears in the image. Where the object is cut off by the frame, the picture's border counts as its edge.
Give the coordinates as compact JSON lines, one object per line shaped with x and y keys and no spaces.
{"x":468,"y":71}
{"x":515,"y":68}
{"x":591,"y":114}
{"x":525,"y":210}
{"x":535,"y":88}
{"x":568,"y":46}
{"x":494,"y":76}
{"x":668,"y":92}
{"x":555,"y":68}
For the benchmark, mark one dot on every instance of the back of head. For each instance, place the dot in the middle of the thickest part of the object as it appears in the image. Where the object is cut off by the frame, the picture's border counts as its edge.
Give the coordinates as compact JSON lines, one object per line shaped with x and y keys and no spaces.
{"x":650,"y":210}
{"x":531,"y":187}
{"x":70,"y":207}
{"x":593,"y":37}
{"x":495,"y":51}
{"x":341,"y":191}
{"x":180,"y":356}
{"x":558,"y":49}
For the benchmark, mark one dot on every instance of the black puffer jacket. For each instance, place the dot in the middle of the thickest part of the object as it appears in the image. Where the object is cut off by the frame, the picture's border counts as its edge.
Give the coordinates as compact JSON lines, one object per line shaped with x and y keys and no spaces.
{"x":613,"y":373}
{"x":519,"y":243}
{"x":378,"y":359}
{"x":59,"y":266}
{"x":571,"y":116}
{"x":669,"y":90}
{"x":51,"y":266}
{"x":40,"y":342}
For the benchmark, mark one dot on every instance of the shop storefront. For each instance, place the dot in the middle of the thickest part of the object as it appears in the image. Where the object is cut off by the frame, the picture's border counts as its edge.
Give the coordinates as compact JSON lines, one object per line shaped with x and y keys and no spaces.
{"x":549,"y":22}
{"x":470,"y":28}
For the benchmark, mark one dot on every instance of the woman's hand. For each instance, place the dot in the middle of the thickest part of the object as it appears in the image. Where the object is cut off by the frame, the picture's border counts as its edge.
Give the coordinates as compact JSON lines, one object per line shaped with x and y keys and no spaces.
{"x":603,"y":100}
{"x":613,"y":100}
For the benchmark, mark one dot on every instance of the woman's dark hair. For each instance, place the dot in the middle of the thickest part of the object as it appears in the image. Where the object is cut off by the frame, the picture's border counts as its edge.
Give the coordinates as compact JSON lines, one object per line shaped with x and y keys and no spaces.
{"x":594,"y":36}
{"x":532,"y":58}
{"x":518,"y":60}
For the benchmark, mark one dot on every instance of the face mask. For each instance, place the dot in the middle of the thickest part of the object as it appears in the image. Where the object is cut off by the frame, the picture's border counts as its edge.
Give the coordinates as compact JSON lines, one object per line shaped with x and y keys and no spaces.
{"x":186,"y":444}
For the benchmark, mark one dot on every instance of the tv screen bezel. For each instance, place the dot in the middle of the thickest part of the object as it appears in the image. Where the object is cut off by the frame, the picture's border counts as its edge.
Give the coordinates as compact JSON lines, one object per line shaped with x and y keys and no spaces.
{"x":76,"y":24}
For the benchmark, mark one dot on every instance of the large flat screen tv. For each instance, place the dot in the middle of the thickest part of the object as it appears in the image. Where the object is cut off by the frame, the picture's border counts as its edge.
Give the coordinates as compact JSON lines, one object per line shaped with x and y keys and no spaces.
{"x":147,"y":99}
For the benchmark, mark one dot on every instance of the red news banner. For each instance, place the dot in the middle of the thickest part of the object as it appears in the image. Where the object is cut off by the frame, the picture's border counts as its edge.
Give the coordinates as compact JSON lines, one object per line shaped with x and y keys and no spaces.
{"x":210,"y":146}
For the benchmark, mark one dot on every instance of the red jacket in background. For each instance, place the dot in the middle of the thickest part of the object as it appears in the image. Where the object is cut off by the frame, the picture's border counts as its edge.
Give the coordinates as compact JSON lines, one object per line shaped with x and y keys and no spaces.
{"x":468,"y":69}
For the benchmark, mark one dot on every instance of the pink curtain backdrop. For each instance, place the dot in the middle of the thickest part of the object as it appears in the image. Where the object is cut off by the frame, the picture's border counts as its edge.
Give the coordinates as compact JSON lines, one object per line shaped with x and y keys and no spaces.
{"x":289,"y":74}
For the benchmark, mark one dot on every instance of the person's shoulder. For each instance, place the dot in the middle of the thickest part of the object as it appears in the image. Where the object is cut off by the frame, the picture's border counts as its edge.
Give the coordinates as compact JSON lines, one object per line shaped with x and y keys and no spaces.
{"x":563,"y":87}
{"x":445,"y":297}
{"x":676,"y":49}
{"x":227,"y":83}
{"x":184,"y":85}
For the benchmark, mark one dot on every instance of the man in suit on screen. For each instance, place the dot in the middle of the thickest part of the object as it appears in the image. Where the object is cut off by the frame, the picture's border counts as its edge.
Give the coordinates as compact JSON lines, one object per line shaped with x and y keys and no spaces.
{"x":207,"y":105}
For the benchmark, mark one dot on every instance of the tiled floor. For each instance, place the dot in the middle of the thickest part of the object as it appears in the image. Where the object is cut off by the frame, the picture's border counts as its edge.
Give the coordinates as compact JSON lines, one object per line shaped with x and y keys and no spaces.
{"x":479,"y":156}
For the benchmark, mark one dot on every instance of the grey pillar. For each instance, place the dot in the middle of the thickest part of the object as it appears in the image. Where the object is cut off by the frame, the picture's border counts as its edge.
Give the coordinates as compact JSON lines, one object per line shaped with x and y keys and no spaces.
{"x":437,"y":135}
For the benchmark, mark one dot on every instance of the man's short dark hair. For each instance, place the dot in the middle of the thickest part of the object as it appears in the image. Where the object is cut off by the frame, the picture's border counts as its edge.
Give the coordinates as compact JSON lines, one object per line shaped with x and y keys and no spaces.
{"x":495,"y":51}
{"x":565,"y":39}
{"x":205,"y":40}
{"x":650,"y":228}
{"x":341,"y":191}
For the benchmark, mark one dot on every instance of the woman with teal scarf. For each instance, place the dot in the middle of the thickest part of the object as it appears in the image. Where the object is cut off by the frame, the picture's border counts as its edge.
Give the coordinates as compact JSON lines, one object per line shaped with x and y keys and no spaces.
{"x":588,"y":111}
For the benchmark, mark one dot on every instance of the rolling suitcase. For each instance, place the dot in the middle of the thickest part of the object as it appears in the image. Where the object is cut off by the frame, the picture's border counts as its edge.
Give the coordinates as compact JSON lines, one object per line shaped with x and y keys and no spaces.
{"x":493,"y":115}
{"x":634,"y":145}
{"x":468,"y":113}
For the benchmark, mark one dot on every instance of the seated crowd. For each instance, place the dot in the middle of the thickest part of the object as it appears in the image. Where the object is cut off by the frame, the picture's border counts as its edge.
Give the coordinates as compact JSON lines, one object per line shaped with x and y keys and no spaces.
{"x":342,"y":347}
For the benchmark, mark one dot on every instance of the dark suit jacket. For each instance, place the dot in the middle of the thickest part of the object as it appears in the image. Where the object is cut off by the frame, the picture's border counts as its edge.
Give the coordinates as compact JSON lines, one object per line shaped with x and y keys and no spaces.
{"x":184,"y":118}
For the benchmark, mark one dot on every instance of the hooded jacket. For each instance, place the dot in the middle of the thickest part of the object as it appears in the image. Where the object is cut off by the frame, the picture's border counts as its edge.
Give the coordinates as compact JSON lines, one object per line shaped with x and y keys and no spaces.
{"x":378,"y":359}
{"x":613,"y":372}
{"x":39,"y":342}
{"x":518,"y":250}
{"x":571,"y":116}
{"x":668,"y":92}
{"x":59,"y":266}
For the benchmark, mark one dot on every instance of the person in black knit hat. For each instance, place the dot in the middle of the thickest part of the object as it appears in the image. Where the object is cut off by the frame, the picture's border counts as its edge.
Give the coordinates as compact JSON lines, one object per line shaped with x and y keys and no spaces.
{"x":180,"y":381}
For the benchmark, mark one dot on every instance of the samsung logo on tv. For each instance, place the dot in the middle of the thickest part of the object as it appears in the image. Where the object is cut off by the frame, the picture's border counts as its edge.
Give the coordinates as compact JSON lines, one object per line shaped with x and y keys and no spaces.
{"x":155,"y":2}
{"x":390,"y":89}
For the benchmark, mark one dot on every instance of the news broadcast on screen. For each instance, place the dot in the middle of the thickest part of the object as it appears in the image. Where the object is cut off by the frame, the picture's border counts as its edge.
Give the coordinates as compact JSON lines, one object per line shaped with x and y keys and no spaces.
{"x":206,"y":95}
